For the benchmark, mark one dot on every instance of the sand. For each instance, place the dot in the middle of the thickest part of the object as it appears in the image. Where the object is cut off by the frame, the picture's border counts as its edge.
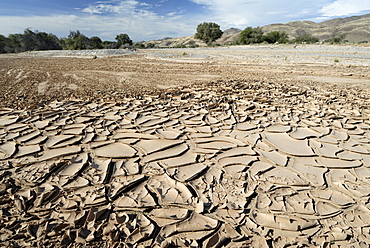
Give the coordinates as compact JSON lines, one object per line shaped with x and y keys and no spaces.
{"x":251,"y":155}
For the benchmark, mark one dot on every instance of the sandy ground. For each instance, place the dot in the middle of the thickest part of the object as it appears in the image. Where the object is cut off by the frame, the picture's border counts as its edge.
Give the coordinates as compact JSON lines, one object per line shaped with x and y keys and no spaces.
{"x":260,"y":146}
{"x":29,"y":79}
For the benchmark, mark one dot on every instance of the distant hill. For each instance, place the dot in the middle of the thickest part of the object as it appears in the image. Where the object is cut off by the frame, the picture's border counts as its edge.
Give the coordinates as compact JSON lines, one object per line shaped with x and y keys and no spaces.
{"x":356,"y":29}
{"x":229,"y":36}
{"x":187,"y":41}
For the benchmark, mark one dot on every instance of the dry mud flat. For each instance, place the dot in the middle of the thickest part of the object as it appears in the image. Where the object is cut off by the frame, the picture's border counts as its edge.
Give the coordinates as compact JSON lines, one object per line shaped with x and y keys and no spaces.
{"x":29,"y":80}
{"x":231,"y":163}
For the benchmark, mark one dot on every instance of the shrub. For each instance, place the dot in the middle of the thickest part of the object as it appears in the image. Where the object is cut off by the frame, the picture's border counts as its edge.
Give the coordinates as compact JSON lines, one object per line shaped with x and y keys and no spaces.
{"x":306,"y":38}
{"x":96,"y":42}
{"x":276,"y":37}
{"x":336,"y":39}
{"x":250,"y":36}
{"x":123,"y":40}
{"x":28,"y":41}
{"x":150,"y":45}
{"x":75,"y":41}
{"x":109,"y":45}
{"x":3,"y":43}
{"x":139,"y":45}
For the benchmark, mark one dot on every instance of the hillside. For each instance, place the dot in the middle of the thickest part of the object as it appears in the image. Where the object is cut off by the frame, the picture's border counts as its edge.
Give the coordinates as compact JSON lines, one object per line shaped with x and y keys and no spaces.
{"x":356,"y":29}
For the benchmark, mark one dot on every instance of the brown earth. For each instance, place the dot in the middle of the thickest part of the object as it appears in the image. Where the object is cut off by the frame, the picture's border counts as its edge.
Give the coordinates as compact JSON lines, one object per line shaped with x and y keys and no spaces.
{"x":29,"y":79}
{"x":261,"y":146}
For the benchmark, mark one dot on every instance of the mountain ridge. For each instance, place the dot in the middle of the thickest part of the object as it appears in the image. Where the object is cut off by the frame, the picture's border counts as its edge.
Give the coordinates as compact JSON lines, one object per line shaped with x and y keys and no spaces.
{"x":355,"y":29}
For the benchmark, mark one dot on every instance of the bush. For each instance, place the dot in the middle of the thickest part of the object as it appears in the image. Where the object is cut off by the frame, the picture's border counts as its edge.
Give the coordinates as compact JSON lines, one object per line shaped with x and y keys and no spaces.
{"x":28,"y":41}
{"x":3,"y":43}
{"x":109,"y":45}
{"x":150,"y":45}
{"x":96,"y":42}
{"x":36,"y":41}
{"x":276,"y":37}
{"x":123,"y":40}
{"x":336,"y":39}
{"x":75,"y":41}
{"x":306,"y":38}
{"x":139,"y":45}
{"x":250,"y":36}
{"x":208,"y":32}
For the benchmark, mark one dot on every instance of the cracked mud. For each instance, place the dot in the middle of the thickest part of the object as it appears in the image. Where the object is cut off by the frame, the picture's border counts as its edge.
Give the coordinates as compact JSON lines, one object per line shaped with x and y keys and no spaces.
{"x":229,"y":163}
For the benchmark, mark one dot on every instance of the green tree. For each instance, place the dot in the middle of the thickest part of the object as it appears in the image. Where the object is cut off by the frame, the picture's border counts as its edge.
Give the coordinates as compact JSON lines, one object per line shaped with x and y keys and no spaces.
{"x":14,"y":43}
{"x":139,"y":45}
{"x":96,"y":43}
{"x":28,"y":41}
{"x":110,"y":45}
{"x":3,"y":43}
{"x":250,"y":36}
{"x":37,"y":41}
{"x":75,"y":41}
{"x":306,"y":38}
{"x":123,"y":40}
{"x":208,"y":32}
{"x":276,"y":37}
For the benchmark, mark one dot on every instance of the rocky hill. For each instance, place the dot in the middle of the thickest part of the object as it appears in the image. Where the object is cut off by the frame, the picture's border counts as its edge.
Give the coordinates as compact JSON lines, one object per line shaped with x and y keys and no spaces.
{"x":229,"y":36}
{"x":356,"y":29}
{"x":187,"y":41}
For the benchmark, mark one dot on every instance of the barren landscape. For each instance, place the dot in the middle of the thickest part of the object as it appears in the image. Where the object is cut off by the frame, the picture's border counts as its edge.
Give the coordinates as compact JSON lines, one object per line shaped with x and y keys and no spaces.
{"x":250,"y":146}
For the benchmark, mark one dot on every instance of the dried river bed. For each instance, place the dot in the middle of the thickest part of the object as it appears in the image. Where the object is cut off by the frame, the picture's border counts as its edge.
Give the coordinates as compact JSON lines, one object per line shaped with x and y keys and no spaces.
{"x":229,"y":163}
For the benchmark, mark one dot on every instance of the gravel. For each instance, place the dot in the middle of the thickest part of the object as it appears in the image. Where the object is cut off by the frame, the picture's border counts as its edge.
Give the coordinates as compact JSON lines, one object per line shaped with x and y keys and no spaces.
{"x":67,"y":53}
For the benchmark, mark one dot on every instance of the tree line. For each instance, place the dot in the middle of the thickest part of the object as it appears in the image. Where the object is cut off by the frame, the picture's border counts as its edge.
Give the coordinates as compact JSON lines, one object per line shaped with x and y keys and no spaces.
{"x":210,"y":32}
{"x":39,"y":41}
{"x":206,"y":31}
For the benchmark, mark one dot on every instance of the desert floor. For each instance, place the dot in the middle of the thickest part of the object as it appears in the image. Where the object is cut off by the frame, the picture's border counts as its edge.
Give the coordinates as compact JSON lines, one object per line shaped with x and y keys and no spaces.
{"x":254,"y":146}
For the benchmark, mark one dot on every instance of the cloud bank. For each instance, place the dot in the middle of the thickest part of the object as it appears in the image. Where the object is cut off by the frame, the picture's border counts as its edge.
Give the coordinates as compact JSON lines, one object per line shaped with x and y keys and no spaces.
{"x":240,"y":13}
{"x":345,"y":8}
{"x":106,"y":19}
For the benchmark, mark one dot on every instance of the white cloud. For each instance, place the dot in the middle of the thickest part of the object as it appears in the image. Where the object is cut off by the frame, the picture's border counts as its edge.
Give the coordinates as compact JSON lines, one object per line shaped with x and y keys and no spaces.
{"x":140,"y":20}
{"x":242,"y":13}
{"x":111,"y":7}
{"x":106,"y":19}
{"x":138,"y":23}
{"x":53,"y":24}
{"x":345,"y":7}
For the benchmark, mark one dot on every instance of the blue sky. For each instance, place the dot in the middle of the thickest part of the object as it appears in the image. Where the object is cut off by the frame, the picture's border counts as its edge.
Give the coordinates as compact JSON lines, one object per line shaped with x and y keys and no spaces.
{"x":155,"y":19}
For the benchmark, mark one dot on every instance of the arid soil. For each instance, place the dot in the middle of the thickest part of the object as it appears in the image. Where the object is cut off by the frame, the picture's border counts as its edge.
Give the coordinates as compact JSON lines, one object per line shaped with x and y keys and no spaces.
{"x":30,"y":79}
{"x":265,"y":146}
